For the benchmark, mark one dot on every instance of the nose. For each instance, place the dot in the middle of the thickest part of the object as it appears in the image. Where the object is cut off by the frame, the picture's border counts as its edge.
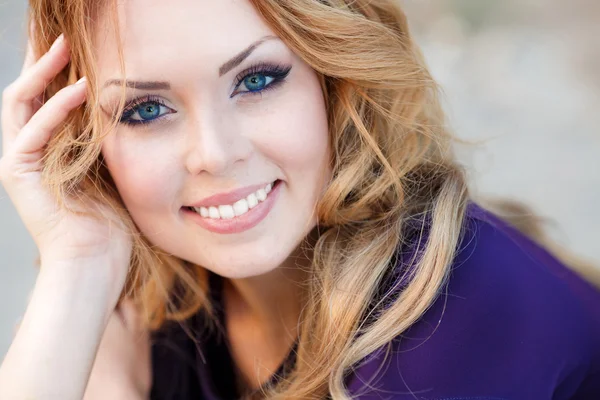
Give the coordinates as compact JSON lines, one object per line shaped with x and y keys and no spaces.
{"x":214,"y":145}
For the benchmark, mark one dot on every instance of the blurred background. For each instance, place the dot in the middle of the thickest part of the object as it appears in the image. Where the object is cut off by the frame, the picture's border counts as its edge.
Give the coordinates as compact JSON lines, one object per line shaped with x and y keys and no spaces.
{"x":521,"y":81}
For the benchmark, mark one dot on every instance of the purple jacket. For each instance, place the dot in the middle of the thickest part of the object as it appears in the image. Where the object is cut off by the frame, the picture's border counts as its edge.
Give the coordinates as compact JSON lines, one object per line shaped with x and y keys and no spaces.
{"x":513,"y":323}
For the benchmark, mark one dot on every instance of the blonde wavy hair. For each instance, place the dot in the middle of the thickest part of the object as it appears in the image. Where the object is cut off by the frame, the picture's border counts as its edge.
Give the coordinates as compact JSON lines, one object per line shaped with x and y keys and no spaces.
{"x":392,"y":165}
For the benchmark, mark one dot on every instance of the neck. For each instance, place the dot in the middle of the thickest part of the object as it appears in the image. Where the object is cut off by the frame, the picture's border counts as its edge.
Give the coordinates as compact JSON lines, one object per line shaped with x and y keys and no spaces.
{"x":262,"y":316}
{"x":273,"y":300}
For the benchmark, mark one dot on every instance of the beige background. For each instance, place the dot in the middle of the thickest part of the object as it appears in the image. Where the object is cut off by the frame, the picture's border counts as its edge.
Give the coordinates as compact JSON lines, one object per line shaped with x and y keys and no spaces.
{"x":521,"y":77}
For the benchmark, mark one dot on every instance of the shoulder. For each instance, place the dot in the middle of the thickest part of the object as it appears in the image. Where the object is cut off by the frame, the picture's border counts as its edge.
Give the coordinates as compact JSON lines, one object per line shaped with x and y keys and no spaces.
{"x":512,"y":323}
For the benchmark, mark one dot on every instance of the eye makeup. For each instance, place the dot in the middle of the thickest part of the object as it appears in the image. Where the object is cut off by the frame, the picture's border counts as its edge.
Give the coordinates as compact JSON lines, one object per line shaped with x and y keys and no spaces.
{"x":145,"y":108}
{"x":277,"y":73}
{"x":252,"y":81}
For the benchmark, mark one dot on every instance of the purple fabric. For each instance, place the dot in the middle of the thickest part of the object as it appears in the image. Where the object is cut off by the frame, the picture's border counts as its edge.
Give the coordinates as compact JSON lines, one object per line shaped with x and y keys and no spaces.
{"x":512,"y":323}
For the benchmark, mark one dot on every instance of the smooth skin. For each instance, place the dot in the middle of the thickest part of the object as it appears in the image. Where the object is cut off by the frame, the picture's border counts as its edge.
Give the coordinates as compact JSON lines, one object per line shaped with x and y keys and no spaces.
{"x":216,"y":138}
{"x":84,"y":261}
{"x":214,"y":135}
{"x":123,"y":367}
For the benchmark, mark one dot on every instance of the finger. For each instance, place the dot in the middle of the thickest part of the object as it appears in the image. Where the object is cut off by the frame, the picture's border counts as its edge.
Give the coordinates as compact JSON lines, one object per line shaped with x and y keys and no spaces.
{"x":21,"y":98}
{"x":37,"y":132}
{"x":34,"y":79}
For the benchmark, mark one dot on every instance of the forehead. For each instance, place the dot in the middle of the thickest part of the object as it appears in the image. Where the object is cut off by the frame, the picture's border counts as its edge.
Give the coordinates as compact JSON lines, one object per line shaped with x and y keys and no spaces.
{"x":176,"y":34}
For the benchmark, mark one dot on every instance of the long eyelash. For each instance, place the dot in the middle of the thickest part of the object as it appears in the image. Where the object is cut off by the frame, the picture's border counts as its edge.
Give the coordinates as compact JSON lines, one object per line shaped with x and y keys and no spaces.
{"x":130,"y":109}
{"x":276,"y":71}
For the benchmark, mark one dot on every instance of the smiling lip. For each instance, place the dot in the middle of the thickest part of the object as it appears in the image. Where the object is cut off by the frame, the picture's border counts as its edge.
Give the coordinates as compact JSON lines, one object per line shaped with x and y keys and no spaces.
{"x":228,"y":198}
{"x":237,"y":224}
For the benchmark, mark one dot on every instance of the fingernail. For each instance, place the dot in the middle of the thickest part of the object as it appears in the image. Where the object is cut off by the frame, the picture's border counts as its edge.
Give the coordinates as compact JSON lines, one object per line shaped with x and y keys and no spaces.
{"x":82,"y":80}
{"x":57,"y":41}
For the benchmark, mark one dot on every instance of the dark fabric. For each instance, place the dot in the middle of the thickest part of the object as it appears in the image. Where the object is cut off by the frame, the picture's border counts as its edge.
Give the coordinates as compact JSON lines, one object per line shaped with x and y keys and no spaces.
{"x":174,"y":358}
{"x":512,"y":323}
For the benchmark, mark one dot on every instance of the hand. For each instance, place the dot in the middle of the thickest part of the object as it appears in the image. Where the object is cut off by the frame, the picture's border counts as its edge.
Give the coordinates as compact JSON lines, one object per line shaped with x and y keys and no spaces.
{"x":62,"y":237}
{"x":84,"y":255}
{"x":122,"y":369}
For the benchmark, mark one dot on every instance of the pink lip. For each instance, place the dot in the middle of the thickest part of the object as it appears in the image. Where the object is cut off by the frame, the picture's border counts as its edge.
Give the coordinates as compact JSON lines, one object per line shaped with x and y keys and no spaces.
{"x":228,"y":198}
{"x":236,"y":224}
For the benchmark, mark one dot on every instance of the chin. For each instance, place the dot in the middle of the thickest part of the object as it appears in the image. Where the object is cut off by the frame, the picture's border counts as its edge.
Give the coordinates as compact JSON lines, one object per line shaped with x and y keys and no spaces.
{"x":243,"y":272}
{"x":241,"y":264}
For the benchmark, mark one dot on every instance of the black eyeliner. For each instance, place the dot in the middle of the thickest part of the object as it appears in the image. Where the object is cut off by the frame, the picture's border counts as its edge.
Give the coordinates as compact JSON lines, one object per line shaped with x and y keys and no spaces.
{"x":276,"y":71}
{"x":273,"y":70}
{"x":131,"y":107}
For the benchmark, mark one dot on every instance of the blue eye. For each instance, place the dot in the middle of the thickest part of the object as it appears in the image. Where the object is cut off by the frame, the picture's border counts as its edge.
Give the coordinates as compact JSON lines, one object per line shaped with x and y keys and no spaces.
{"x":148,"y":111}
{"x":257,"y":82}
{"x":143,"y":111}
{"x":259,"y":78}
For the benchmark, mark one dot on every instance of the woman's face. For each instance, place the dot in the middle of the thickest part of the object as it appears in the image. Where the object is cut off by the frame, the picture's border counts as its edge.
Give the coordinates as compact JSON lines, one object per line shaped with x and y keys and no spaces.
{"x":221,"y":109}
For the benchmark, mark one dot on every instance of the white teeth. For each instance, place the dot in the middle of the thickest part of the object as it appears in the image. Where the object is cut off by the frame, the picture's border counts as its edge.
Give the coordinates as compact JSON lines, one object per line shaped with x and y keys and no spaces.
{"x":240,"y":207}
{"x":252,"y":200}
{"x":226,"y":212}
{"x":213,"y":212}
{"x":261,"y":195}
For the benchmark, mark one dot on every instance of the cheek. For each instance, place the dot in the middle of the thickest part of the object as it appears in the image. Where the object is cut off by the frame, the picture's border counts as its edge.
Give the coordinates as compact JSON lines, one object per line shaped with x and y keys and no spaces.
{"x":297,"y":137}
{"x":141,"y":172}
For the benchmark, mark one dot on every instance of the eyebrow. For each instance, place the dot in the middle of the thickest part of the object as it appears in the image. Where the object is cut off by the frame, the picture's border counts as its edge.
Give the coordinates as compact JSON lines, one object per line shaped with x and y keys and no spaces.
{"x":241,"y":56}
{"x":223,"y":69}
{"x":142,"y":85}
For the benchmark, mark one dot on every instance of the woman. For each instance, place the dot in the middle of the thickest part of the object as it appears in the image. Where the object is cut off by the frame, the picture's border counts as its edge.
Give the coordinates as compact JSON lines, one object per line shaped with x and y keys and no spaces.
{"x":271,"y":182}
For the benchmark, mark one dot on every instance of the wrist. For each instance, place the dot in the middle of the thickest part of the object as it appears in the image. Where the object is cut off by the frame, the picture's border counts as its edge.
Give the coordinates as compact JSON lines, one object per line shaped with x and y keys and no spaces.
{"x":79,"y":283}
{"x":97,"y":279}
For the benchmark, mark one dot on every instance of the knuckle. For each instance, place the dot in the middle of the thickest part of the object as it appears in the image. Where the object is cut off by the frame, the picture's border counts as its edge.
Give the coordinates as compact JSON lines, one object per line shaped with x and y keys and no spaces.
{"x":8,"y":93}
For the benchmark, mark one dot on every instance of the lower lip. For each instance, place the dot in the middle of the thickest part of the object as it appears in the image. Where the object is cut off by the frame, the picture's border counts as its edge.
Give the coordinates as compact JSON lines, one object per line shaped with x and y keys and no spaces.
{"x":241,"y":223}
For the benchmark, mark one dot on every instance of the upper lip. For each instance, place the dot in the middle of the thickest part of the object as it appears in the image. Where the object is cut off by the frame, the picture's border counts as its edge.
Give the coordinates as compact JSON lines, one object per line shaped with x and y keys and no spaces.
{"x":228,"y":198}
